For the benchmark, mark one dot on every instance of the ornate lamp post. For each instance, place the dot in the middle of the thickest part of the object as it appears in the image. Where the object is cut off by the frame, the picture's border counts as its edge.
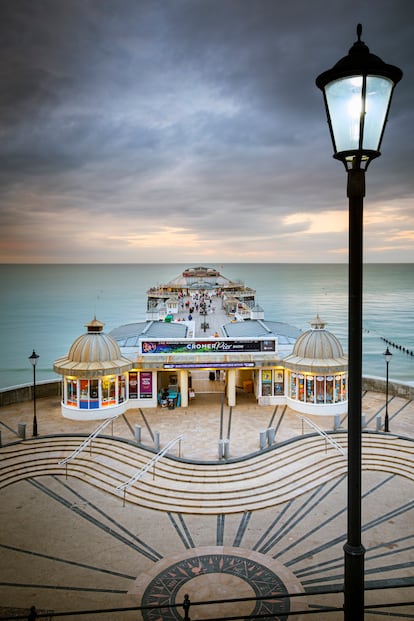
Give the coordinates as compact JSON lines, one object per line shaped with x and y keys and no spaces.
{"x":357,"y":93}
{"x":387,"y":356}
{"x":33,"y":359}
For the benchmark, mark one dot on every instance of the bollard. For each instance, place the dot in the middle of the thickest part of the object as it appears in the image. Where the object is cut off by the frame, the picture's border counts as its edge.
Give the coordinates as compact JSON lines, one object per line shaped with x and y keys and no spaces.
{"x":271,"y":432}
{"x":337,"y":422}
{"x":220,"y":449}
{"x":21,"y":430}
{"x":363,"y":420}
{"x":226,"y":449}
{"x":263,"y":439}
{"x":138,"y":430}
{"x":379,"y":422}
{"x":157,"y":440}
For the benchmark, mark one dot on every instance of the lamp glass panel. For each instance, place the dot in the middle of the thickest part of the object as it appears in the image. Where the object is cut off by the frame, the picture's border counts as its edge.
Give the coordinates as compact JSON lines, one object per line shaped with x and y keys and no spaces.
{"x":344,"y":100}
{"x":377,"y":101}
{"x":345,"y":103}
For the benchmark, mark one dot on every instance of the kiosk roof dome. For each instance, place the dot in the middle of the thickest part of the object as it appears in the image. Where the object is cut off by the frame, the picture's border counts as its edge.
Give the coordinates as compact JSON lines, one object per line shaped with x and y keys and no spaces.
{"x":93,"y":353}
{"x":317,"y":349}
{"x":318,"y":342}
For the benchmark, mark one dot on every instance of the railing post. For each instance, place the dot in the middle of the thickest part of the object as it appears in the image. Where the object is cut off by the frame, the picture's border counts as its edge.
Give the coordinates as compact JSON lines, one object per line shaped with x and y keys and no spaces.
{"x":21,"y":430}
{"x":186,"y":606}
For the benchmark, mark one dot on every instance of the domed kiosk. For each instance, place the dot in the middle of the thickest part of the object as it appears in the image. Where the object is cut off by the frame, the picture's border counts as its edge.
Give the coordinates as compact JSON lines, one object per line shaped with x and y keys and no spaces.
{"x":317,"y":373}
{"x":94,"y":376}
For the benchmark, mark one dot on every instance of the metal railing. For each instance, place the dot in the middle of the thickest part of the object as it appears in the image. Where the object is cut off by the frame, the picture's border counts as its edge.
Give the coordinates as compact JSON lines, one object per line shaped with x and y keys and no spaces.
{"x":151,"y":464}
{"x":87,"y":442}
{"x":322,"y":433}
{"x":187,"y":606}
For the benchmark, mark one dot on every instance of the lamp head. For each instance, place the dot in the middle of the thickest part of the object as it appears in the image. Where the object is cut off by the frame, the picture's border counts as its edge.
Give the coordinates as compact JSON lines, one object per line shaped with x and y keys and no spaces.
{"x":34,"y":358}
{"x":357,"y":93}
{"x":387,"y":355}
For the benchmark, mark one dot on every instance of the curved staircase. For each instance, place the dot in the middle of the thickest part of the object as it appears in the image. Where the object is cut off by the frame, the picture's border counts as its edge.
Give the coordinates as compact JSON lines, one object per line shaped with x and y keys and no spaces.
{"x":262,"y":480}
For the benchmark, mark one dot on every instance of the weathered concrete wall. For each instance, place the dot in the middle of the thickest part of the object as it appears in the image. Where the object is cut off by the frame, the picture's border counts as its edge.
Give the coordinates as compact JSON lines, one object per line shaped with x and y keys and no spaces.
{"x":395,"y":389}
{"x":24,"y":392}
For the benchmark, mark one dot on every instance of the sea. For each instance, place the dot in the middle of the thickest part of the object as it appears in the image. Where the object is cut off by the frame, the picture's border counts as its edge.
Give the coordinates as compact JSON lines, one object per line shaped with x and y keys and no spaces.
{"x":45,"y":307}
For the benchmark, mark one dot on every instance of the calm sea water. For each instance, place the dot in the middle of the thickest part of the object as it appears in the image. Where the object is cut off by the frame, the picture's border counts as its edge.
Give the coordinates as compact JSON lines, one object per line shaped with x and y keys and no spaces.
{"x":45,"y":307}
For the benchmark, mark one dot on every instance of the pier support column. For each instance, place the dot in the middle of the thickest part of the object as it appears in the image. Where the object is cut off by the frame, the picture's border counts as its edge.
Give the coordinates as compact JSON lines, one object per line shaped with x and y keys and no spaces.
{"x":184,"y":388}
{"x":231,"y":387}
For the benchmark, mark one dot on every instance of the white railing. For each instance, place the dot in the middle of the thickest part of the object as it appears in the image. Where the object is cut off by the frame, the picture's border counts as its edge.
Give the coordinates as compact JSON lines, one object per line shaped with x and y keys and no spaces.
{"x":88,"y":441}
{"x":324,"y":435}
{"x":151,"y":464}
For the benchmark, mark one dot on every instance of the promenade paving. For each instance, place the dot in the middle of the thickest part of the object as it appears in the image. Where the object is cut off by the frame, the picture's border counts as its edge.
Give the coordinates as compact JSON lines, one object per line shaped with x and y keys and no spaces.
{"x":68,"y":546}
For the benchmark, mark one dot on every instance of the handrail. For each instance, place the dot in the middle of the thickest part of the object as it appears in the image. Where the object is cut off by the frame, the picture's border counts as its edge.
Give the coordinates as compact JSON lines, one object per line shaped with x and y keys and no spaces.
{"x":88,"y":440}
{"x":324,"y":435}
{"x":140,"y":473}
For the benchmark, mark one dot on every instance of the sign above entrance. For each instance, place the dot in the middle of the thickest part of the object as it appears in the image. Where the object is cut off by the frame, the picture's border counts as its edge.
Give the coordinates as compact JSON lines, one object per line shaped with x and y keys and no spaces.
{"x":219,"y":346}
{"x":208,"y":365}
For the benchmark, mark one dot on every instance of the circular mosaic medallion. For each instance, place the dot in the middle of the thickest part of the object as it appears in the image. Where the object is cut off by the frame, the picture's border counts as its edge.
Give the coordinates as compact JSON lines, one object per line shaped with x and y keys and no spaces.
{"x":169,"y":586}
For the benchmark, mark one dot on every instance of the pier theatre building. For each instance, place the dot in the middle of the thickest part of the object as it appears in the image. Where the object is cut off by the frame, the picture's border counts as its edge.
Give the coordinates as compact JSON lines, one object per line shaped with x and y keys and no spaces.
{"x":202,"y":326}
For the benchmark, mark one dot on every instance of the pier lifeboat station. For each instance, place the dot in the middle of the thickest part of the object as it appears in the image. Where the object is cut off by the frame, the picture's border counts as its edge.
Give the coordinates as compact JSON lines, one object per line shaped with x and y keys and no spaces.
{"x":202,"y":328}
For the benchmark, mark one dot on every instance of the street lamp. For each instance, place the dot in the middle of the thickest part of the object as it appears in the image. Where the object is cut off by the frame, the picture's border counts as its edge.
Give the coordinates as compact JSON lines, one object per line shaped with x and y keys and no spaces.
{"x":33,"y":359}
{"x":357,"y":93}
{"x":387,"y":356}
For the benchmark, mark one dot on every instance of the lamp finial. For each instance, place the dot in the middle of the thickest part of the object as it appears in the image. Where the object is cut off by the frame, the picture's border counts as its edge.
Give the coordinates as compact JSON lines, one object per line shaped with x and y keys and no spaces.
{"x":359,"y":32}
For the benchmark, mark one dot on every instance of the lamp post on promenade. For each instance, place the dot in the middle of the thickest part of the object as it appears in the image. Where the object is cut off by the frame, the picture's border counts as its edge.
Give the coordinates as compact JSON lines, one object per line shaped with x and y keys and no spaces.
{"x":357,"y":93}
{"x":33,"y":359}
{"x":387,"y":356}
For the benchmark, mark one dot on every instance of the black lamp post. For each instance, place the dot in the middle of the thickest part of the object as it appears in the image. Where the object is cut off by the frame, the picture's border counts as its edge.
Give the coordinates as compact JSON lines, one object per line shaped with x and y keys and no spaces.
{"x":33,"y":359}
{"x":387,"y":356}
{"x":357,"y":93}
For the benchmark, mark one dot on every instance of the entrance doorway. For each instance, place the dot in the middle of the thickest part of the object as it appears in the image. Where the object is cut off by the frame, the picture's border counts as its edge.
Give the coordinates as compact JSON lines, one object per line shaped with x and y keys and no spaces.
{"x":208,"y":380}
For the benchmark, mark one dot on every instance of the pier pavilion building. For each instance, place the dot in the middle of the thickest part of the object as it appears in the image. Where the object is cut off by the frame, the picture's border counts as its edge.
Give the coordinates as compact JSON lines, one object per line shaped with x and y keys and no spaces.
{"x":202,"y":324}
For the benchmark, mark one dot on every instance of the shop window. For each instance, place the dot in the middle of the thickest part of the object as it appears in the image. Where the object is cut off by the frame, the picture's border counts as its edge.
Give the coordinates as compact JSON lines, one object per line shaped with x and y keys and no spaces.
{"x":329,"y":389}
{"x":337,"y":393}
{"x":84,"y":394}
{"x":108,"y":390}
{"x":94,"y":394}
{"x":267,"y":383}
{"x":344,"y":394}
{"x":320,"y":389}
{"x":310,"y":388}
{"x":279,"y":385}
{"x":72,"y":392}
{"x":121,"y":389}
{"x":301,"y":388}
{"x":293,"y":393}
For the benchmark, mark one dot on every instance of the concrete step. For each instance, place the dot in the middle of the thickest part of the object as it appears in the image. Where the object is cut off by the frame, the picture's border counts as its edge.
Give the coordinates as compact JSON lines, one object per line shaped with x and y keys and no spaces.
{"x":262,"y":481}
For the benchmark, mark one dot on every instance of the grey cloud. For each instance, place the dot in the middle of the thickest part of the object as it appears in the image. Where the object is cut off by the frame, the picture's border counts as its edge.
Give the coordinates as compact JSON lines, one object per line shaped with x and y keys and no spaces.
{"x":200,"y":112}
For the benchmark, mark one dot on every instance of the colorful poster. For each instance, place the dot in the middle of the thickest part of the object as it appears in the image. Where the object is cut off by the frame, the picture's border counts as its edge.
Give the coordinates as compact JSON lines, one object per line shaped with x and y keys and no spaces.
{"x":133,"y":385}
{"x":145,"y":385}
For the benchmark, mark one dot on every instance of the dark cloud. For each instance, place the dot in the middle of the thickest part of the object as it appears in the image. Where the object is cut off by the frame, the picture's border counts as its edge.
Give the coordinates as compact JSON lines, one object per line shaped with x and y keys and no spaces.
{"x":202,"y":116}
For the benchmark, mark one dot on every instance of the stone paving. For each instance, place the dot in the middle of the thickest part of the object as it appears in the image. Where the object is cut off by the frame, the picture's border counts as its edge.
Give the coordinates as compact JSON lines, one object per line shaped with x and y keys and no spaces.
{"x":67,"y":546}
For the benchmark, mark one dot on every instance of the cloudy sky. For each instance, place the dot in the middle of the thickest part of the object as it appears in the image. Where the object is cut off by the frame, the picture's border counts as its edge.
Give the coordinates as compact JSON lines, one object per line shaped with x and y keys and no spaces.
{"x":192,"y":131}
